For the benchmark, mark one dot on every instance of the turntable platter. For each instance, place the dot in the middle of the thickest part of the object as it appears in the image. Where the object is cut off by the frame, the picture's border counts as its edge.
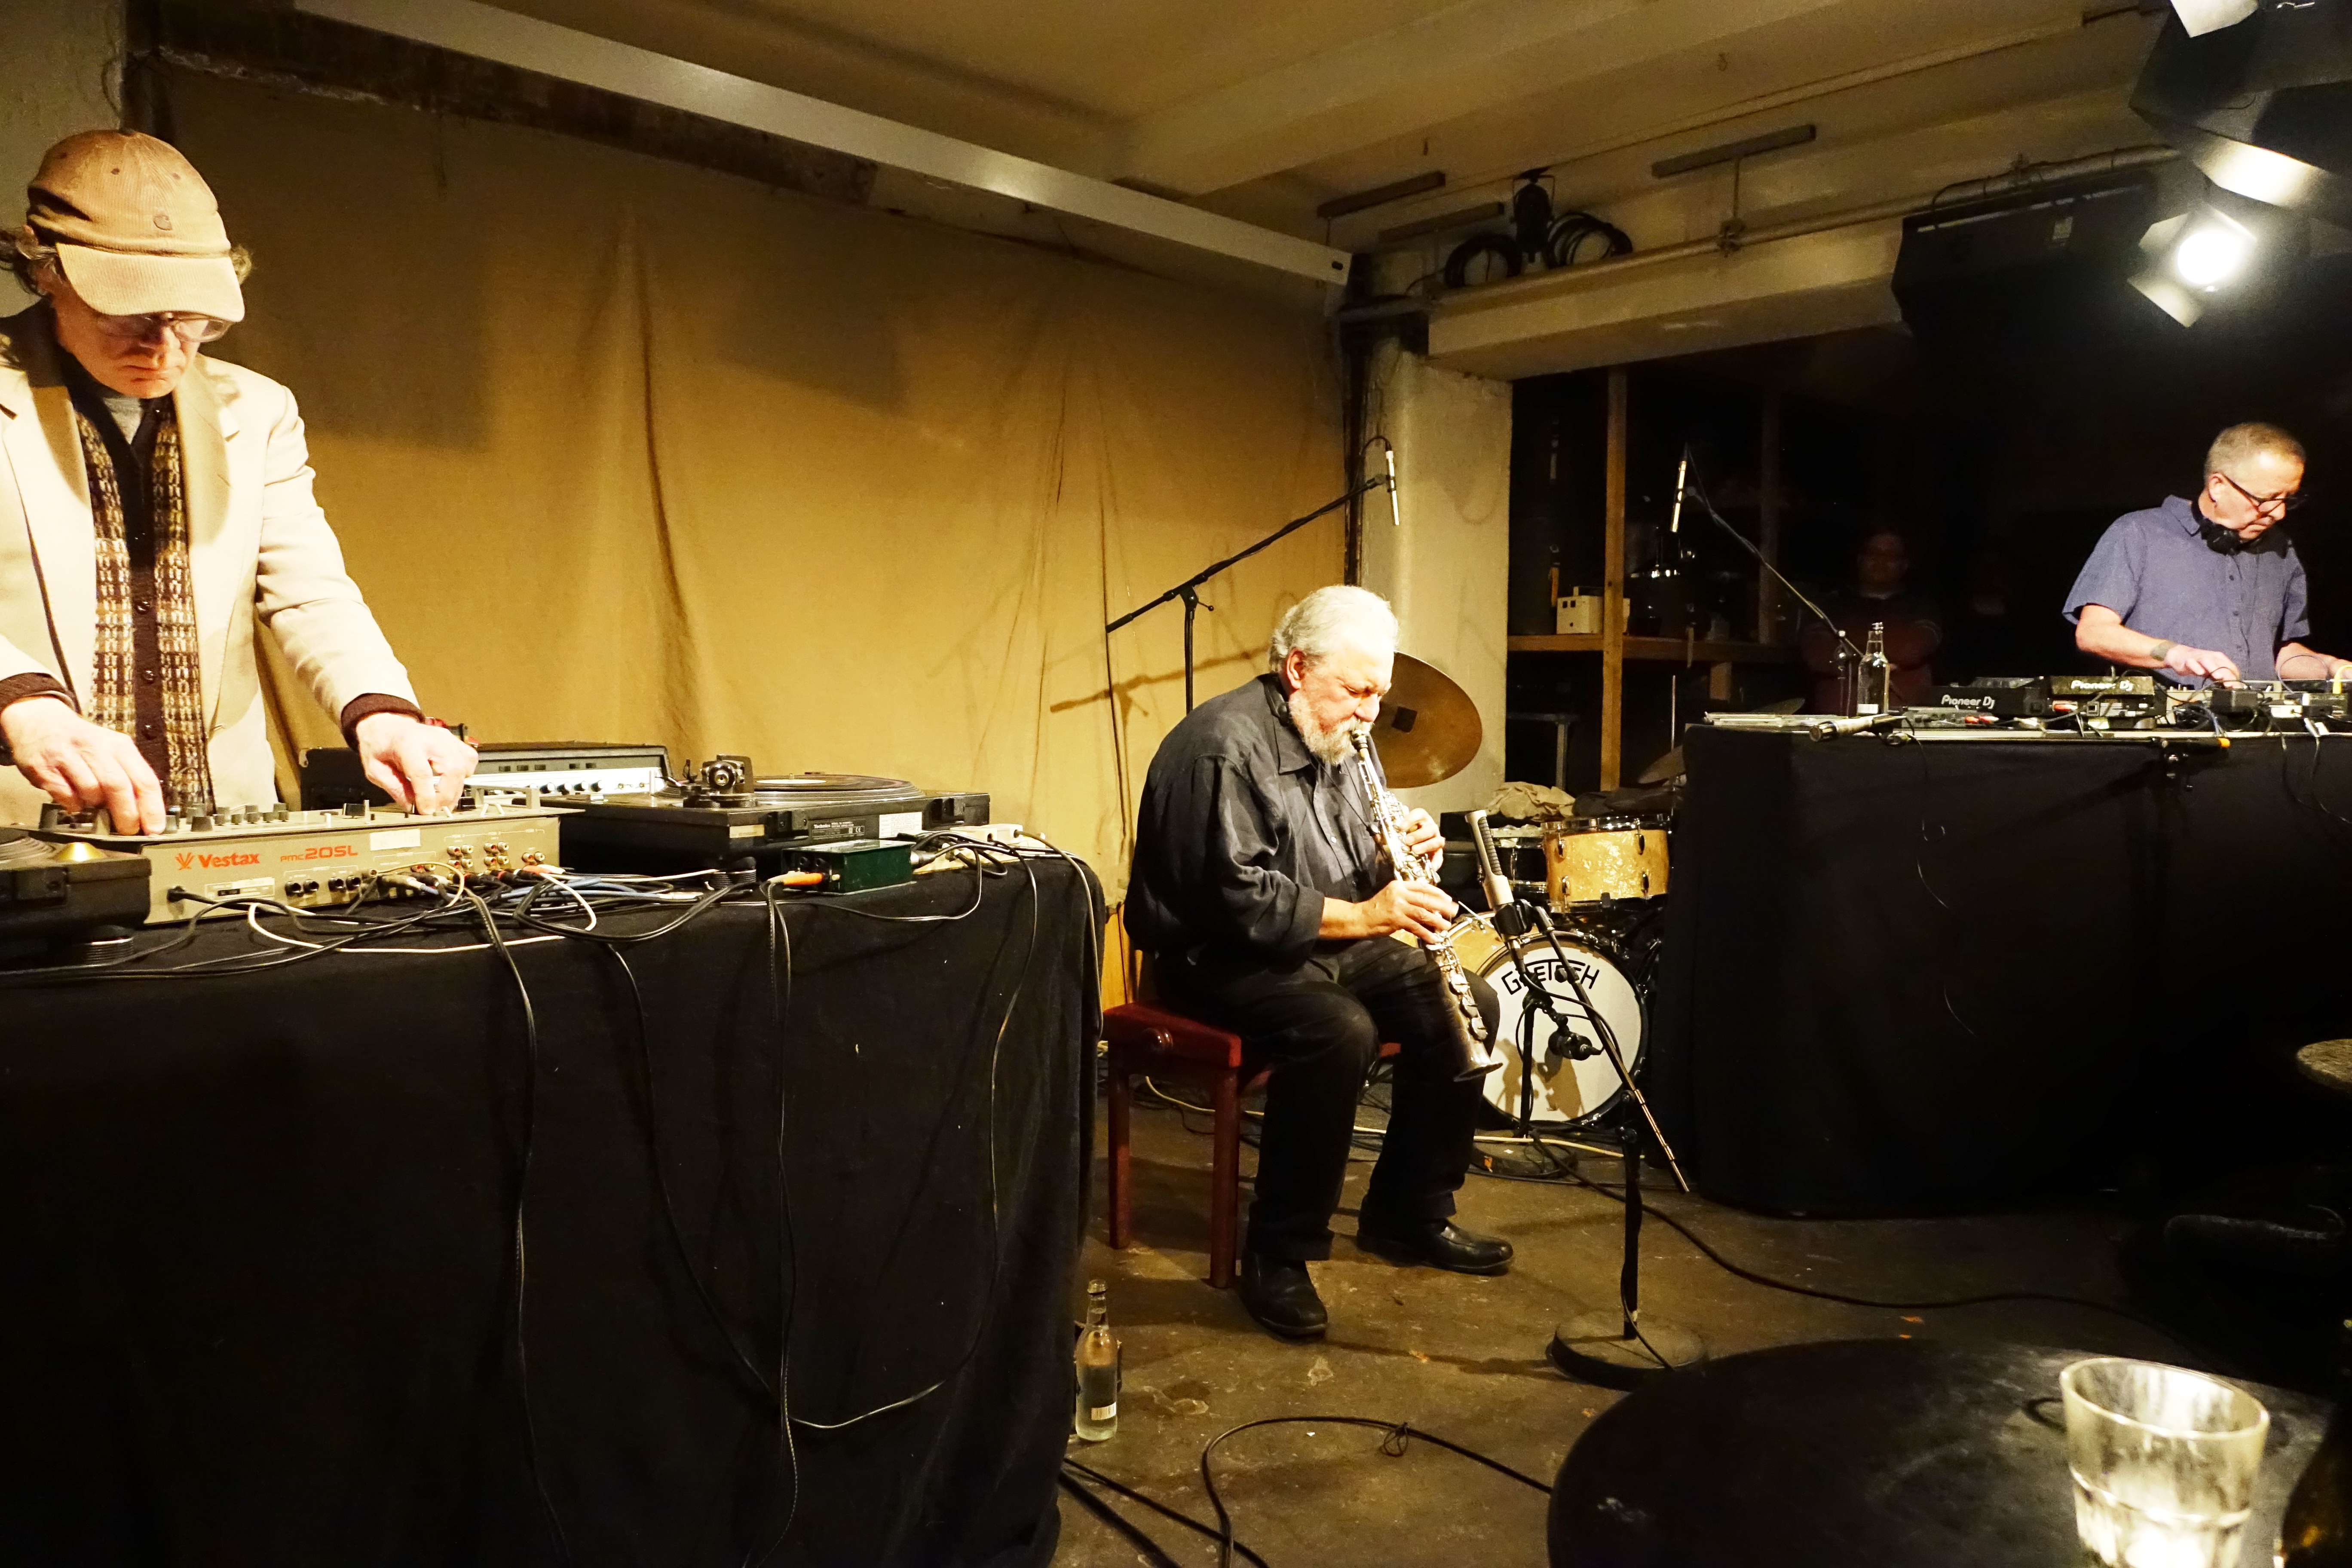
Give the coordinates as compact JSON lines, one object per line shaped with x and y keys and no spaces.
{"x":829,"y":784}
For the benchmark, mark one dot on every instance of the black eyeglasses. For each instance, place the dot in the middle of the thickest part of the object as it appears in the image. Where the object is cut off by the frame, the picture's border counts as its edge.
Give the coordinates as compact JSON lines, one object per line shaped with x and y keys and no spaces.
{"x":2285,"y":501}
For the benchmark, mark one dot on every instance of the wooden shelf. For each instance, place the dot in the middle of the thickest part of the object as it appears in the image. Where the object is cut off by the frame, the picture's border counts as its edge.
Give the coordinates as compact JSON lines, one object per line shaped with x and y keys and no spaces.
{"x":1660,"y":650}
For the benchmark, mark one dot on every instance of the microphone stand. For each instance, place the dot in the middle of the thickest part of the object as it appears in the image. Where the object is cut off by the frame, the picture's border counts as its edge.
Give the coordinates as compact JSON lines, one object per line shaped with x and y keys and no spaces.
{"x":1189,"y":590}
{"x":1849,"y":657}
{"x":1584,"y":1347}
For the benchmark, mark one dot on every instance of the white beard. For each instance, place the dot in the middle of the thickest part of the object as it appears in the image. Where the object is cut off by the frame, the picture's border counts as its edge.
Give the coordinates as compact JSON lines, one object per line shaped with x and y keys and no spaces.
{"x":1332,"y":745}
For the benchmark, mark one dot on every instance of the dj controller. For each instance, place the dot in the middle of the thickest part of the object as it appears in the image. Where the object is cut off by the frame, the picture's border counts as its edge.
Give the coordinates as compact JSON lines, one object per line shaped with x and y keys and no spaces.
{"x":2115,"y":707}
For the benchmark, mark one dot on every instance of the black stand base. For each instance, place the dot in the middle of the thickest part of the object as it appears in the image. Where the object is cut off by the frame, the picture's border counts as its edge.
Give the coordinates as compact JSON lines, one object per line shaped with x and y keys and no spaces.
{"x":1594,"y":1347}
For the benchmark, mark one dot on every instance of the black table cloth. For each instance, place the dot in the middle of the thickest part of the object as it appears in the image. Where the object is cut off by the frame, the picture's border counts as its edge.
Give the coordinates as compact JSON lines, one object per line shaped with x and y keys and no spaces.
{"x":1920,"y":977}
{"x":1859,"y":1453}
{"x":259,"y":1258}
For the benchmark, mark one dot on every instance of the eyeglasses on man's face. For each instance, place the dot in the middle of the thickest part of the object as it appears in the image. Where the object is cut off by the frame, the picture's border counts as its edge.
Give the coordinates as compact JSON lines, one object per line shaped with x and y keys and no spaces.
{"x":186,"y":326}
{"x":2285,"y":501}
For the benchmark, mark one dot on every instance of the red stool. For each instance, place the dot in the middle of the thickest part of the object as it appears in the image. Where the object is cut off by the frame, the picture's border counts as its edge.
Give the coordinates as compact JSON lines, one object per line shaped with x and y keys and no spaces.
{"x":1147,"y":1040}
{"x":1151,"y":1042}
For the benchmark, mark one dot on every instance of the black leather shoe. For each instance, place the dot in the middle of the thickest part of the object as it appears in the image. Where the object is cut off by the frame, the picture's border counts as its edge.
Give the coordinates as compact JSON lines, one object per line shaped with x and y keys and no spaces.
{"x":1440,"y":1243}
{"x":1279,"y":1293}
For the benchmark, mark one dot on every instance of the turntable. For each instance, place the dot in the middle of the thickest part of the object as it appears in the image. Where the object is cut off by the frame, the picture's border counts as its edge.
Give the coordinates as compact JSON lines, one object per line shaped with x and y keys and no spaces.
{"x":727,"y":816}
{"x":53,"y":890}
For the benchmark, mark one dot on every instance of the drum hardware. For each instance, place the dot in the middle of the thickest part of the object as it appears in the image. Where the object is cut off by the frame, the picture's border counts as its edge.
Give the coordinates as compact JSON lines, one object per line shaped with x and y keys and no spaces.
{"x":1553,"y":1078}
{"x":1585,"y":1346}
{"x":1516,"y":919}
{"x":1522,"y":853}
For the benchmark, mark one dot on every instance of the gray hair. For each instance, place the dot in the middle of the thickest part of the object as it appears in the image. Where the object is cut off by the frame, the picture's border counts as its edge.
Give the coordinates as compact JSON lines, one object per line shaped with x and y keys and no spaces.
{"x":1320,"y":622}
{"x":2234,"y":446}
{"x":28,"y":253}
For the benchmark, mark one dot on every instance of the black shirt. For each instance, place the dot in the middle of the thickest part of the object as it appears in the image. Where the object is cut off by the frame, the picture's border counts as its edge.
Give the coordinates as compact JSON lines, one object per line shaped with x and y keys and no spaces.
{"x":1242,"y":834}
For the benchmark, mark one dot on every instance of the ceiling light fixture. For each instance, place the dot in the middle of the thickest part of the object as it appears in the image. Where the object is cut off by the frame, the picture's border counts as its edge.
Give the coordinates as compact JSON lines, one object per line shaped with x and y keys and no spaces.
{"x":2212,"y":253}
{"x":2192,"y":257}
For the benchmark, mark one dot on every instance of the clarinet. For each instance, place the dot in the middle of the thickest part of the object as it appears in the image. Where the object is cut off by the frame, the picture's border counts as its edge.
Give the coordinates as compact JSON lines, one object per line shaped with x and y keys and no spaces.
{"x":1473,"y":1054}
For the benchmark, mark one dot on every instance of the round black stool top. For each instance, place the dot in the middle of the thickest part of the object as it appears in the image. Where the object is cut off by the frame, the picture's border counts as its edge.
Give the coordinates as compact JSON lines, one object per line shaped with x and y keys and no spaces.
{"x":1868,"y":1453}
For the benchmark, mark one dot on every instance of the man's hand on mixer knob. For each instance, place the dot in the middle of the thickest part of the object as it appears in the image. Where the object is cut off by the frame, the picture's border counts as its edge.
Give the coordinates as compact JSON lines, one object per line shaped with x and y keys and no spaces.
{"x":82,"y":766}
{"x":1422,"y":837}
{"x":421,"y":765}
{"x":1421,"y":908}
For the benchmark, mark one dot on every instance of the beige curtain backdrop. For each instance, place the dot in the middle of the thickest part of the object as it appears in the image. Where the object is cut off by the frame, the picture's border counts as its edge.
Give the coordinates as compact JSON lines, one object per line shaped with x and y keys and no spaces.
{"x":624,"y":450}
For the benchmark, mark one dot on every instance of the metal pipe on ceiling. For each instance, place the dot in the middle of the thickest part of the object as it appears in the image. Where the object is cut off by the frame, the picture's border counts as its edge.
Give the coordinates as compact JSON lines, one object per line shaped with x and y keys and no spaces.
{"x":485,"y":32}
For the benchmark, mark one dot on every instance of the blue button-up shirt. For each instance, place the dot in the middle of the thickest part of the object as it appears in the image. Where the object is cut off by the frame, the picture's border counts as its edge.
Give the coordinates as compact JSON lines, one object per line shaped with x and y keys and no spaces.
{"x":2155,"y":570}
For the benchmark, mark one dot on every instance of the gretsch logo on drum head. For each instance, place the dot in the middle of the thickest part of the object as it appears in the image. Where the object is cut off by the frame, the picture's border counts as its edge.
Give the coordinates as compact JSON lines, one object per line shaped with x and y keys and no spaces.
{"x":1550,"y":973}
{"x":1568,"y":1074}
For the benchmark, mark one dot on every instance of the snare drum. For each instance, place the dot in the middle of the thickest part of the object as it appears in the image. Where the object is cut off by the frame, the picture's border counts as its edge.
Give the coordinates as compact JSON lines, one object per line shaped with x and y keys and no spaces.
{"x":1521,"y":852}
{"x":1593,"y":859}
{"x":1573,"y":1084}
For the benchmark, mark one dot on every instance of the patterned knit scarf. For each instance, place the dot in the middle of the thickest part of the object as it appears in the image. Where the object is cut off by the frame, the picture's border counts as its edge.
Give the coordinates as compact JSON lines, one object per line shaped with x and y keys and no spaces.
{"x":115,"y":701}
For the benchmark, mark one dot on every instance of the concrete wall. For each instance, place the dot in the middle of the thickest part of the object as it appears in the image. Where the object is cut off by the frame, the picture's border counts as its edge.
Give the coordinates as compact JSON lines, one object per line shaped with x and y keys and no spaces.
{"x":1448,"y":567}
{"x":61,"y":60}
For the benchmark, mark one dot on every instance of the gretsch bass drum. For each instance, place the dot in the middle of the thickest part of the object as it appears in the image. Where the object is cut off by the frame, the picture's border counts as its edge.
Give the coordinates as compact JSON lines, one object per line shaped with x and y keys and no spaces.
{"x":1572,"y":1085}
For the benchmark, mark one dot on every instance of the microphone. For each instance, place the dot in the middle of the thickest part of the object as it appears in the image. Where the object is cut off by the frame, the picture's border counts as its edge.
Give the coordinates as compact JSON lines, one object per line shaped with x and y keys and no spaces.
{"x":1682,"y":477}
{"x":1490,"y":865}
{"x":1396,"y":516}
{"x":1511,"y":918}
{"x":1829,"y":729}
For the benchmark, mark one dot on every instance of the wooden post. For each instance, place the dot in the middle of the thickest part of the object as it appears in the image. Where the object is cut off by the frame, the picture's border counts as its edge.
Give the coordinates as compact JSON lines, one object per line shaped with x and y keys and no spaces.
{"x":1612,"y":592}
{"x":1768,"y":592}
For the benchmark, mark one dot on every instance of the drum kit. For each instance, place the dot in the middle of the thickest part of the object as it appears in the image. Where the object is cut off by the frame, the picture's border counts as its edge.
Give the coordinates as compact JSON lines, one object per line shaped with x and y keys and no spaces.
{"x":1603,"y":880}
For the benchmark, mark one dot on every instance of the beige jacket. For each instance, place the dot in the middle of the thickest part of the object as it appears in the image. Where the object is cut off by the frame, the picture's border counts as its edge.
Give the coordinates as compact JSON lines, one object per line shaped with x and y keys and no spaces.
{"x":259,"y":550}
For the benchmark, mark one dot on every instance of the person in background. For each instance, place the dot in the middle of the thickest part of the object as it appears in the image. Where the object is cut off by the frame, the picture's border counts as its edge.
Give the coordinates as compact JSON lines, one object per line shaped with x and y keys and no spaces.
{"x":166,"y":513}
{"x":1880,"y":594}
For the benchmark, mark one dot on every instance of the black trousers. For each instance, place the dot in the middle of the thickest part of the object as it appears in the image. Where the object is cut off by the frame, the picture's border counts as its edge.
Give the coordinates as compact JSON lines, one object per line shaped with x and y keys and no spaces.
{"x":1317,"y":1027}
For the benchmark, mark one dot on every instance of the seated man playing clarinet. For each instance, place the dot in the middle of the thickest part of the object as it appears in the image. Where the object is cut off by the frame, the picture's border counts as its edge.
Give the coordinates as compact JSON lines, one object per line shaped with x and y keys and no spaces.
{"x":1261,"y":889}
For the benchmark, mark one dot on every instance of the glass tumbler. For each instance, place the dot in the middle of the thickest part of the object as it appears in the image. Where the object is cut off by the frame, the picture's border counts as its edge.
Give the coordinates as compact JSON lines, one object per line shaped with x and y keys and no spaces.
{"x":2164,"y":1463}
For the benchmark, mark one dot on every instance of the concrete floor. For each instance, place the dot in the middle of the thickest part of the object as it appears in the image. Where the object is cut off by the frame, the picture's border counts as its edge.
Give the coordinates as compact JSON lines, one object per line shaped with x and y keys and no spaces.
{"x":1465,"y":1356}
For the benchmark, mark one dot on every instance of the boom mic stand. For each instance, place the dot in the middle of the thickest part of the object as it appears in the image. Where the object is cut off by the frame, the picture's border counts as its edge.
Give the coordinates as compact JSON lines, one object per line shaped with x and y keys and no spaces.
{"x":1189,"y":590}
{"x":1612,"y":1350}
{"x":1849,"y":657}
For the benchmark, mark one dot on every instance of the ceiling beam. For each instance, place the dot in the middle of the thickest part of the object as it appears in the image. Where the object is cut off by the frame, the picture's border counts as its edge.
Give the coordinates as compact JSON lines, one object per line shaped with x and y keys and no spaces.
{"x":468,"y":27}
{"x":1470,"y":56}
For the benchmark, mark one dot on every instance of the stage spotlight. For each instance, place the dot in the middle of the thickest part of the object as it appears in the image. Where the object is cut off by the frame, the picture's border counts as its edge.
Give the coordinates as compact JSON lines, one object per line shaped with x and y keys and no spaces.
{"x":2213,"y":252}
{"x":2193,"y":257}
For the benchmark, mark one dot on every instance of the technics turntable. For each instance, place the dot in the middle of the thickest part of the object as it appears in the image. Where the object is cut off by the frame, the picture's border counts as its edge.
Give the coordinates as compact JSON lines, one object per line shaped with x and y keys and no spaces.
{"x":725,"y":814}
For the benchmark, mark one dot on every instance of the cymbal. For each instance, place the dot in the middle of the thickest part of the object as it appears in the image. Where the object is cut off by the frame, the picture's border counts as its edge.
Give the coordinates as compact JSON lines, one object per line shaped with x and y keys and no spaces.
{"x":1428,"y":729}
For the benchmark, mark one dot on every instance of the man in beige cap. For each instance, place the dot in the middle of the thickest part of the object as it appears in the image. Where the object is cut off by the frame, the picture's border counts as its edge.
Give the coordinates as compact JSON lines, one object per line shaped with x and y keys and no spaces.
{"x":154,"y":505}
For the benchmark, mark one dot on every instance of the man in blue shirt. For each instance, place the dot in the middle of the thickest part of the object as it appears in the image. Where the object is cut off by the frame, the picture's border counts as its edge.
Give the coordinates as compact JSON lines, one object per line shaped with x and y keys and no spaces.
{"x":2203,"y":590}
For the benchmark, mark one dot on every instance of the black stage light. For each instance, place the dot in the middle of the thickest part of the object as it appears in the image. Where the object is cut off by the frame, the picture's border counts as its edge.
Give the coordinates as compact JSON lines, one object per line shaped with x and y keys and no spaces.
{"x":2220,"y":243}
{"x":2263,"y":106}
